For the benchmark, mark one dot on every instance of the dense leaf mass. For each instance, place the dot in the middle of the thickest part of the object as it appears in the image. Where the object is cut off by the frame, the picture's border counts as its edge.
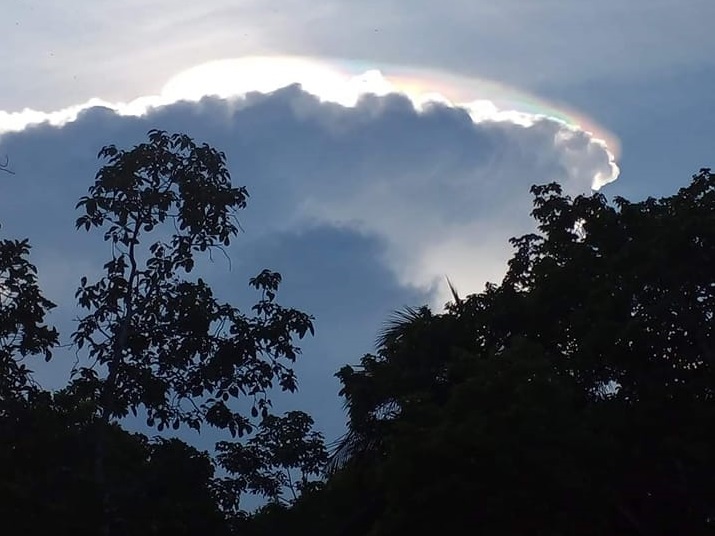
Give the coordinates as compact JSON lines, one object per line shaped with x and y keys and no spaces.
{"x":23,"y":332}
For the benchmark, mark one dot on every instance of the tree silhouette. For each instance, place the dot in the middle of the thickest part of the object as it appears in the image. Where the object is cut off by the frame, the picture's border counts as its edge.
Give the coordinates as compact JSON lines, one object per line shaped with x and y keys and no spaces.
{"x":22,"y":313}
{"x":573,"y":398}
{"x":280,"y":462}
{"x":159,"y":486}
{"x":157,"y":340}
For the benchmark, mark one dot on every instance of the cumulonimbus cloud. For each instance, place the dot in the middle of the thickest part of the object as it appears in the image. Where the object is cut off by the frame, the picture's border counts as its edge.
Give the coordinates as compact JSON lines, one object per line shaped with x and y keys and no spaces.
{"x":442,"y":186}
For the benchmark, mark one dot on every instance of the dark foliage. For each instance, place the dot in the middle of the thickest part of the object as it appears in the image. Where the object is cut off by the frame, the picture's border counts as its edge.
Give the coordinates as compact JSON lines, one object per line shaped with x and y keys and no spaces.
{"x":48,"y":483}
{"x":22,"y":313}
{"x":574,"y":398}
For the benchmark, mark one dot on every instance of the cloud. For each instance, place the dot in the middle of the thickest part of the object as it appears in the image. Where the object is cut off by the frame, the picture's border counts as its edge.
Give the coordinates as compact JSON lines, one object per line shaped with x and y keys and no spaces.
{"x":441,"y":192}
{"x":69,"y":52}
{"x":363,"y":208}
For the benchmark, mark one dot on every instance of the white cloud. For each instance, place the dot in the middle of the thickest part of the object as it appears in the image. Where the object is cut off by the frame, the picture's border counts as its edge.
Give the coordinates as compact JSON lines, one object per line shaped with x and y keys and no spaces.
{"x":441,"y":186}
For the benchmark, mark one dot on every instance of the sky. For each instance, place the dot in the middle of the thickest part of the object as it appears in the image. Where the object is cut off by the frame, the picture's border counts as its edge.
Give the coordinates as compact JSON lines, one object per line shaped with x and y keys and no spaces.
{"x":385,"y":145}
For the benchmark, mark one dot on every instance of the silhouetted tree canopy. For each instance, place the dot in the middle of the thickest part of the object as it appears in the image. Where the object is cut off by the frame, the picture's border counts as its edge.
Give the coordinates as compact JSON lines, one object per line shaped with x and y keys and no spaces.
{"x":22,"y":314}
{"x":574,"y":398}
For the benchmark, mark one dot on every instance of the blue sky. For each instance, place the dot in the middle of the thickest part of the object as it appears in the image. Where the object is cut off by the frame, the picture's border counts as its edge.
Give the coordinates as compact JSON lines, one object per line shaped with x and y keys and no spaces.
{"x":364,"y":203}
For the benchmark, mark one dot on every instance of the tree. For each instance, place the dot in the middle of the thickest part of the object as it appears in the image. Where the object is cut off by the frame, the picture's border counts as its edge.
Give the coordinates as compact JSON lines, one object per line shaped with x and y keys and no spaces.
{"x":47,"y":483}
{"x":23,"y":331}
{"x":574,"y":397}
{"x":22,"y":314}
{"x":625,"y":292}
{"x":157,"y":340}
{"x":280,"y":462}
{"x":410,"y":366}
{"x":622,"y":297}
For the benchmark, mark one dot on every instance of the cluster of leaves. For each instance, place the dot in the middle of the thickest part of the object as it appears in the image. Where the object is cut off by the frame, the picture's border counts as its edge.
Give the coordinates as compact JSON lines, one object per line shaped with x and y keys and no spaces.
{"x":284,"y":457}
{"x":48,"y":483}
{"x":573,"y":398}
{"x":22,"y":312}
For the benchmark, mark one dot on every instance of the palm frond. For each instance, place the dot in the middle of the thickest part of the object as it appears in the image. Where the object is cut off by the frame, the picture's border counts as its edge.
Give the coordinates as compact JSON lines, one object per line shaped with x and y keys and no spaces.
{"x":457,"y":300}
{"x":399,"y":323}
